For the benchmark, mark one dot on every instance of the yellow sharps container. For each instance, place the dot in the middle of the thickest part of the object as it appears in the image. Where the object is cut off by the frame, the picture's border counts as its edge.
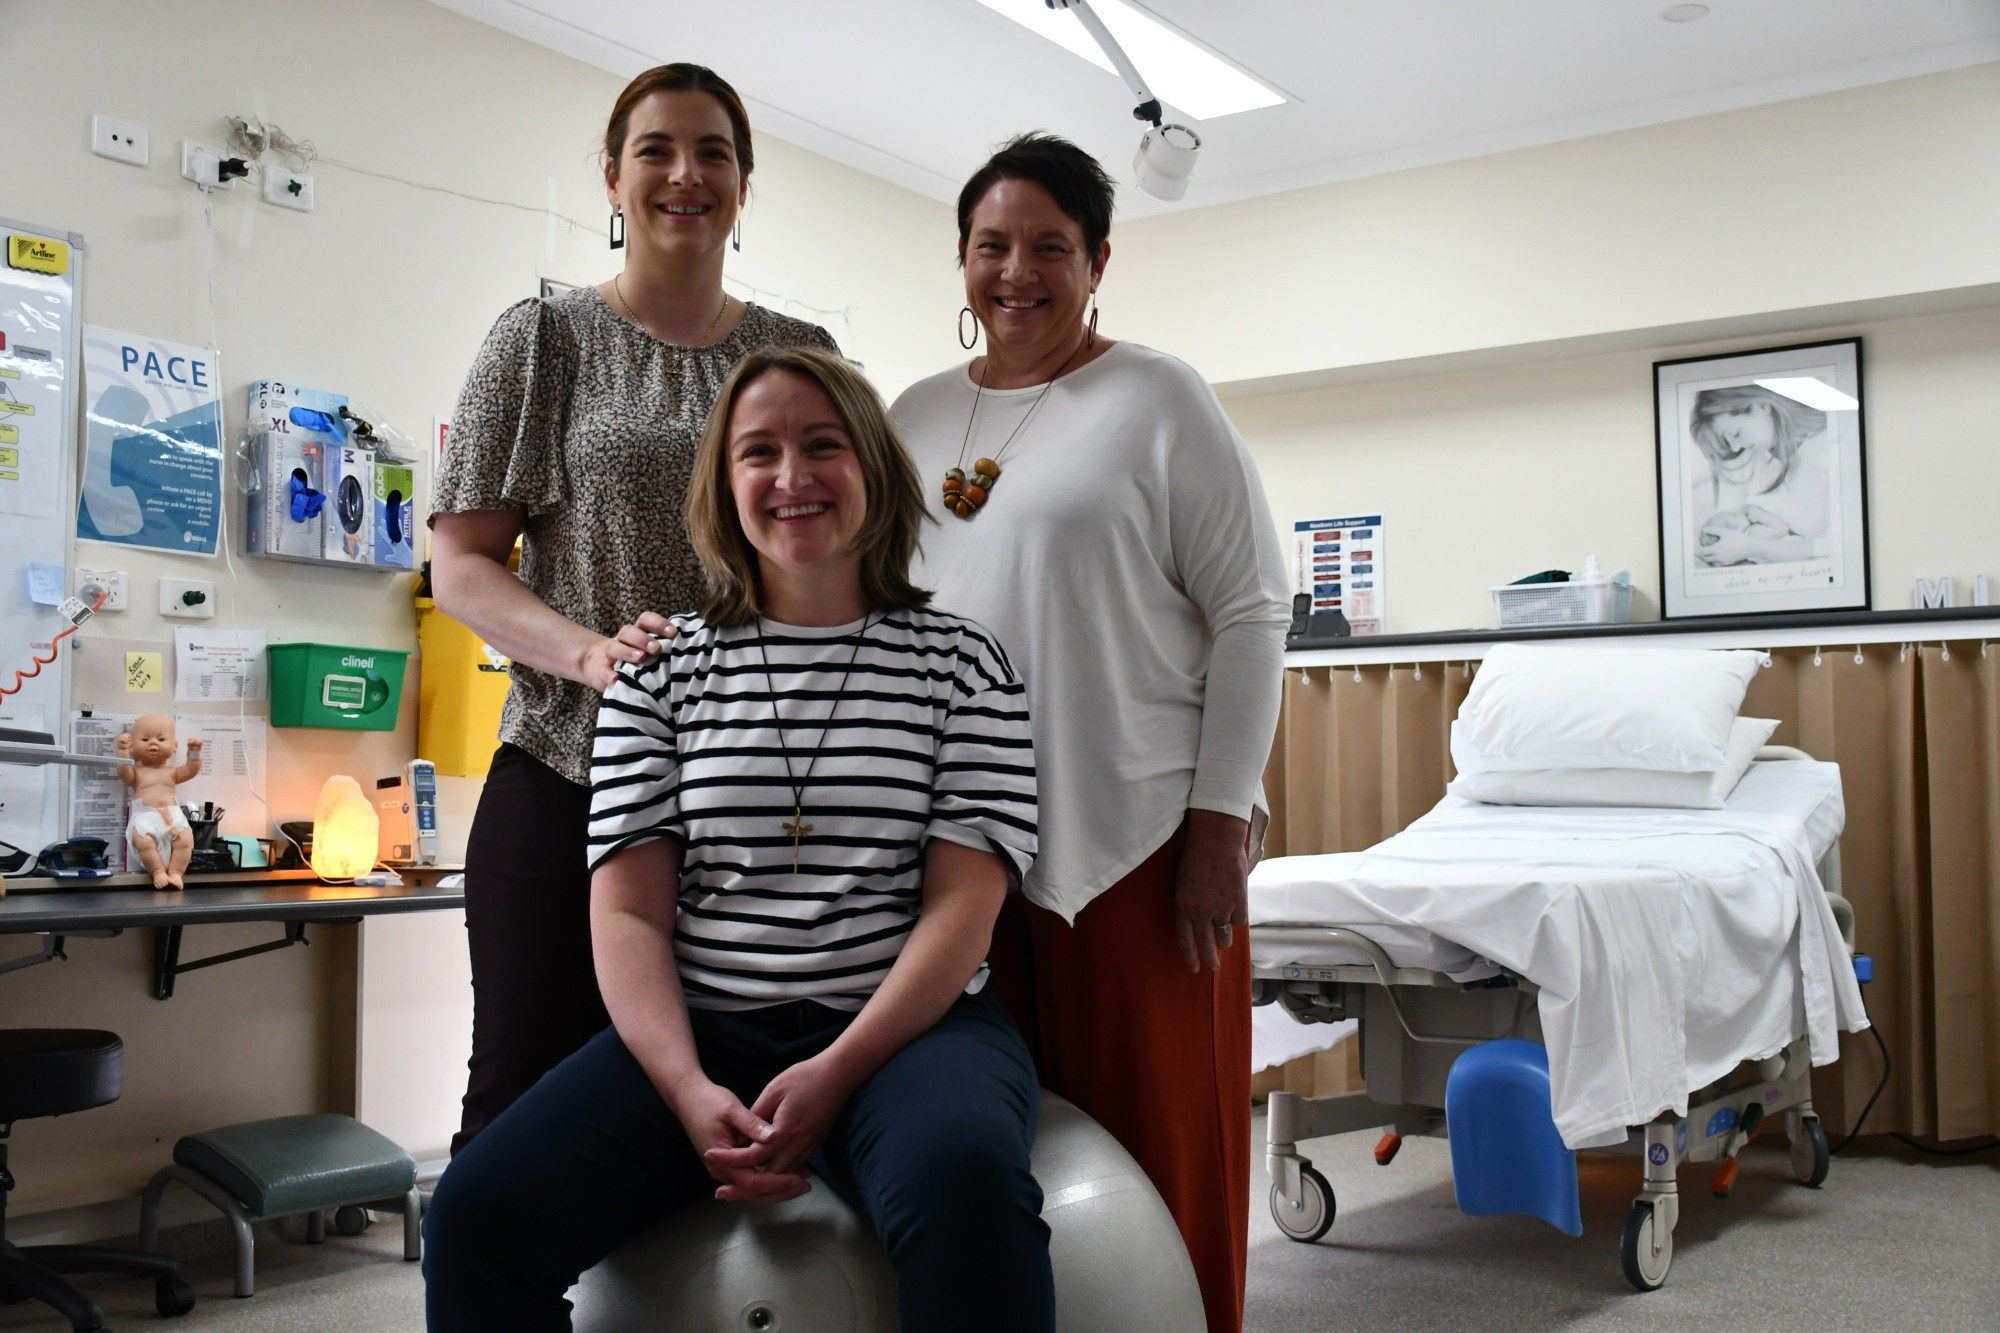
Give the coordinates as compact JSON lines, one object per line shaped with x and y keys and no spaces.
{"x":461,"y":685}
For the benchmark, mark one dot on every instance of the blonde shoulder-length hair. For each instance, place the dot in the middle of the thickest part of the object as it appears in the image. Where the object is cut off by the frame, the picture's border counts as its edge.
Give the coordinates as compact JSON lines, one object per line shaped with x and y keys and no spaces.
{"x":889,"y":532}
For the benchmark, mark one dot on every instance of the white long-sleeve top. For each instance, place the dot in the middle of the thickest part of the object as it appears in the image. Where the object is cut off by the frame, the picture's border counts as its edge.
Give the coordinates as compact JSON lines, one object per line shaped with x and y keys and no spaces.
{"x":1127,"y":561}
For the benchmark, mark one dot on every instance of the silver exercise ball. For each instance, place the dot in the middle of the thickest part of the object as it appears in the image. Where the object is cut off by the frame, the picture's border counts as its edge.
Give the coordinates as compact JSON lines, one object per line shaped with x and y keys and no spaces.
{"x":813,"y":1265}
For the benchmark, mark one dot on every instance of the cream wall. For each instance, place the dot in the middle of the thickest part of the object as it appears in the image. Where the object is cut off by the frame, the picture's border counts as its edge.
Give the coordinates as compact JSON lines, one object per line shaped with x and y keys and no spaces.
{"x":383,"y":292}
{"x":1851,"y":196}
{"x":1486,"y":475}
{"x":1467,"y":348}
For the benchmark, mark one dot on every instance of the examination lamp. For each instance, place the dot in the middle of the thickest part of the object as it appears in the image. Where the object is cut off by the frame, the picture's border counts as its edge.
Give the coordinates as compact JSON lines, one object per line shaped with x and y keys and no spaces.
{"x":1166,"y":153}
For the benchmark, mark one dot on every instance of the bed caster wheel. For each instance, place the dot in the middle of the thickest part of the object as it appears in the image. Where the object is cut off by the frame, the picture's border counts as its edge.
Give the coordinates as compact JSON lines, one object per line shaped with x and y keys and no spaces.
{"x":1312,"y":1217}
{"x":350,"y":1220}
{"x":172,"y":1297}
{"x":1644,"y":1251}
{"x":1810,"y":1158}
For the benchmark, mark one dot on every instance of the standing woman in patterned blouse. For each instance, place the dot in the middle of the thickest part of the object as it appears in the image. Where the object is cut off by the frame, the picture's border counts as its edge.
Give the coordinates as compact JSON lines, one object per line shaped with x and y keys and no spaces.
{"x":576,"y":434}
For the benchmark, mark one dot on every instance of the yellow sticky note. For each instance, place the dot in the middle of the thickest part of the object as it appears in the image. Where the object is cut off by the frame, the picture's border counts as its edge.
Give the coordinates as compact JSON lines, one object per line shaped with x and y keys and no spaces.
{"x":37,"y":254}
{"x":142,"y":673}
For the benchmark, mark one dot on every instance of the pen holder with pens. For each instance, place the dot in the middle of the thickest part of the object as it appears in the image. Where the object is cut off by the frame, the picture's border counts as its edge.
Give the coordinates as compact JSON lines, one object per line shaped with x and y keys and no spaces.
{"x":210,"y":852}
{"x":203,"y":829}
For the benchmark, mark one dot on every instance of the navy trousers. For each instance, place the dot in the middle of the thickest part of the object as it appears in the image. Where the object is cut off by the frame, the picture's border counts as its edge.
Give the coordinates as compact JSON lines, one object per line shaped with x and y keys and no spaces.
{"x":933,"y":1150}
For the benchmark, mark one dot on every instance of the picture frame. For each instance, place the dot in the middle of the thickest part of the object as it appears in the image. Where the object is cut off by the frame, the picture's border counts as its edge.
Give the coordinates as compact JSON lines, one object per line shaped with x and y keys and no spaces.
{"x":1762,"y":481}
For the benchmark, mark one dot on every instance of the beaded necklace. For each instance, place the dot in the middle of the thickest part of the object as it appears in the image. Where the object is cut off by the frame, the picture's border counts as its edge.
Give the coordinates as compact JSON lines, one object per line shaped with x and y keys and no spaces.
{"x":966,"y":496}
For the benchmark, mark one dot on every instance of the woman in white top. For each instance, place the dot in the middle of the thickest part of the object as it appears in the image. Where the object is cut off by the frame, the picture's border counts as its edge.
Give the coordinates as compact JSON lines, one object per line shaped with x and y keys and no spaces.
{"x":1100,"y":514}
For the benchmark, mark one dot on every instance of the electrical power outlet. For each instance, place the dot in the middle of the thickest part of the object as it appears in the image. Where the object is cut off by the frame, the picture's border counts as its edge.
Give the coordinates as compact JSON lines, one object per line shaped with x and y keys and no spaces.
{"x":190,"y":599}
{"x":113,"y":581}
{"x":288,"y":189}
{"x":119,"y":141}
{"x":200,"y":163}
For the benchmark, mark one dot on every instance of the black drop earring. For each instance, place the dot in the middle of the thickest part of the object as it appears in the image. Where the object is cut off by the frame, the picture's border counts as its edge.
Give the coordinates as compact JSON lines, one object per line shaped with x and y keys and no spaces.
{"x":736,"y":236}
{"x":617,"y":230}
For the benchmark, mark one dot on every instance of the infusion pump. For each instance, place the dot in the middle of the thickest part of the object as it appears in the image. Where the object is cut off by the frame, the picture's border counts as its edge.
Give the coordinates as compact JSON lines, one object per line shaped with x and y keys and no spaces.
{"x":407,"y":804}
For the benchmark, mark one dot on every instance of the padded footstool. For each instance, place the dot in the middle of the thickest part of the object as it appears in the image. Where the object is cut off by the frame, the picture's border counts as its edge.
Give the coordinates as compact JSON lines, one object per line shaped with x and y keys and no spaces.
{"x":291,"y":1164}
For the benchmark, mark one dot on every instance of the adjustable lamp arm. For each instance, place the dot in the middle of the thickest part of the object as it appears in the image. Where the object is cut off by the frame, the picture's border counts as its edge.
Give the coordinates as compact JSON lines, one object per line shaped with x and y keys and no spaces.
{"x":1149,"y":106}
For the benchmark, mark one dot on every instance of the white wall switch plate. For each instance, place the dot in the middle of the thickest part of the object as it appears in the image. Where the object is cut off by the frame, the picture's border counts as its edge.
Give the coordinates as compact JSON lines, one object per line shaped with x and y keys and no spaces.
{"x":288,"y":189}
{"x":119,"y":141}
{"x":199,"y":163}
{"x":112,"y":580}
{"x":190,"y":599}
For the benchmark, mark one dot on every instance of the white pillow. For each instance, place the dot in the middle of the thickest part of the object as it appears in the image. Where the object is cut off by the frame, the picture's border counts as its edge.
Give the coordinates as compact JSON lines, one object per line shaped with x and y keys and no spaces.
{"x":1550,"y":706}
{"x":1649,"y":787}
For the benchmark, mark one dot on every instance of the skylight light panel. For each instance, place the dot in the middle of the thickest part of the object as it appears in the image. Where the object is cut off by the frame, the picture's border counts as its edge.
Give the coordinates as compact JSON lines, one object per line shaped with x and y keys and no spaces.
{"x":1179,"y":72}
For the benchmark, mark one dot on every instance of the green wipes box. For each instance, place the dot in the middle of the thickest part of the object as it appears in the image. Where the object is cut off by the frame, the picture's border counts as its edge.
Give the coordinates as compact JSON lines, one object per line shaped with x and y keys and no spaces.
{"x":330,"y":685}
{"x":395,"y":512}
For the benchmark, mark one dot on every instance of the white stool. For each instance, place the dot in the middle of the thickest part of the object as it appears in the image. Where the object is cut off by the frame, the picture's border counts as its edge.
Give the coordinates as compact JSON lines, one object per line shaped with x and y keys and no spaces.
{"x":814,"y":1266}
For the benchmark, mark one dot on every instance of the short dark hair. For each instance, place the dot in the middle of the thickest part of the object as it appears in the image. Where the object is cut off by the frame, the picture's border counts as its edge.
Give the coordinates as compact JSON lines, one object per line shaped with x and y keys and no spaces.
{"x":1073,"y":178}
{"x":680,"y":77}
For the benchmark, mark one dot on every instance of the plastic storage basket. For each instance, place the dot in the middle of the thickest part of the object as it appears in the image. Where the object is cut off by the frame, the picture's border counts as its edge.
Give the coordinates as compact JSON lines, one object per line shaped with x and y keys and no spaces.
{"x":329,"y":685}
{"x":1548,"y":605}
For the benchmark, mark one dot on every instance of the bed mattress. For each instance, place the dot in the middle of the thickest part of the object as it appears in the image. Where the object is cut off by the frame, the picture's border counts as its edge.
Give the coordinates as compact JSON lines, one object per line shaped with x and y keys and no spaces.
{"x":1804,"y":796}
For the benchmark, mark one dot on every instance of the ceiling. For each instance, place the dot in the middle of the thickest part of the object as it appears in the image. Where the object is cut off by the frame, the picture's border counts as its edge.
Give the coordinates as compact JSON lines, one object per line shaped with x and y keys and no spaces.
{"x":918,"y":91}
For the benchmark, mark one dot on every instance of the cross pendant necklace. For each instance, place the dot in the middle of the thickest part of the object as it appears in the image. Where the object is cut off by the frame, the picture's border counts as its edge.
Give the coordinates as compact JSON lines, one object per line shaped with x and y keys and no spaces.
{"x":796,"y":828}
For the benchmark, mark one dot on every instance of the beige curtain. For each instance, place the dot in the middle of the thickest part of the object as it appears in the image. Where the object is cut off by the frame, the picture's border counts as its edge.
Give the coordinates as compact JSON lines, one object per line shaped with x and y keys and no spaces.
{"x":1916,"y":731}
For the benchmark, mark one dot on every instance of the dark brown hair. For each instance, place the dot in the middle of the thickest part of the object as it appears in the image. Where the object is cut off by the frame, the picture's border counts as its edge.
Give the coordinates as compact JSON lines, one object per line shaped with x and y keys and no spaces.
{"x":895,"y":497}
{"x":1073,"y":178}
{"x":679,"y":78}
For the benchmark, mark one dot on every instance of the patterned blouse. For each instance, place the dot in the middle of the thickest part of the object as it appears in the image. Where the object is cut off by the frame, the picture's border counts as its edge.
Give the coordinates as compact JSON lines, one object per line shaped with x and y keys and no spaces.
{"x":588,"y":424}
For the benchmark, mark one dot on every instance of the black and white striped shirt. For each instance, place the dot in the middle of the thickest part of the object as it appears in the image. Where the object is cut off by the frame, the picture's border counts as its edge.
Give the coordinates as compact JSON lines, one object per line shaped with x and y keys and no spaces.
{"x":928,"y":739}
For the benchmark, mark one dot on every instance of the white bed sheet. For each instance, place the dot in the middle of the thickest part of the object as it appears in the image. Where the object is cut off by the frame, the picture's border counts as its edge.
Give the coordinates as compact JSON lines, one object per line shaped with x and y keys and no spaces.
{"x":1668,"y":944}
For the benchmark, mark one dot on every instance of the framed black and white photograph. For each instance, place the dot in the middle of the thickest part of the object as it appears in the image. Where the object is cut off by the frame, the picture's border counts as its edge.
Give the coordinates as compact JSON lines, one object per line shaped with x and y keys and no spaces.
{"x":1763,"y":484}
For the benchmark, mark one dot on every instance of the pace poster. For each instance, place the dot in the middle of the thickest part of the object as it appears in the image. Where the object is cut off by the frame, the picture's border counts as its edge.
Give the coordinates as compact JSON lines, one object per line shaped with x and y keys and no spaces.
{"x":152,"y":461}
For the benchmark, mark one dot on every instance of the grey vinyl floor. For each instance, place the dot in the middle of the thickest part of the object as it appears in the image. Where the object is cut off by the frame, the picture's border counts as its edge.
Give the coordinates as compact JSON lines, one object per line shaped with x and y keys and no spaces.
{"x":1893,"y":1241}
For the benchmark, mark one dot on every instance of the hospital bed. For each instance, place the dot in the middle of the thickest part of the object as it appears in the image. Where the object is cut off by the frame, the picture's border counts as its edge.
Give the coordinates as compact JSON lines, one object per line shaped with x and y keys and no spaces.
{"x":1684,"y":970}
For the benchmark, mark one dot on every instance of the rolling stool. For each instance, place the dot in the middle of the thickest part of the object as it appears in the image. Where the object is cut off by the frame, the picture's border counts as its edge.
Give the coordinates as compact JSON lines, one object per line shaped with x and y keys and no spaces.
{"x":53,"y":1071}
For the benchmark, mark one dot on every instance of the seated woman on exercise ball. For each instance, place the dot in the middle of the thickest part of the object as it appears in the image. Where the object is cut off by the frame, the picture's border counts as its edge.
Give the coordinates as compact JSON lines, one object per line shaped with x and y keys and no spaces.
{"x":805,"y":814}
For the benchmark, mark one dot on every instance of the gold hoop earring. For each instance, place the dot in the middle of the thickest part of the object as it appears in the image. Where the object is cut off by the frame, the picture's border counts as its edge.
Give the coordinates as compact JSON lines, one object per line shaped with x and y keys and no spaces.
{"x":963,"y":341}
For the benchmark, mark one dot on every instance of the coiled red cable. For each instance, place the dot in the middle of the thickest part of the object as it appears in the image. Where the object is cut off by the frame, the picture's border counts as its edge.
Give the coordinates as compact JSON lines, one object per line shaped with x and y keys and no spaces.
{"x":55,"y":646}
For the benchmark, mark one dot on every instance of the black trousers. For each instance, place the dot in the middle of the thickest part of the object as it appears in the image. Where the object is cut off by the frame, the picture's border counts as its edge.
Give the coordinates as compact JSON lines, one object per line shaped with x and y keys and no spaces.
{"x":527,"y":920}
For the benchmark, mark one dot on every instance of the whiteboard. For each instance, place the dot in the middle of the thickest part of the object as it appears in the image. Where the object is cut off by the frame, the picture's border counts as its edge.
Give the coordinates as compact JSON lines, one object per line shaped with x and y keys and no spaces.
{"x":40,"y":370}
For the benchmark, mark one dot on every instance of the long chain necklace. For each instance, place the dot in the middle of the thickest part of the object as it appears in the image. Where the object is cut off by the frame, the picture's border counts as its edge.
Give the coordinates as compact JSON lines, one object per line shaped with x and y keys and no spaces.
{"x":619,"y":287}
{"x":964,"y":495}
{"x":796,"y":826}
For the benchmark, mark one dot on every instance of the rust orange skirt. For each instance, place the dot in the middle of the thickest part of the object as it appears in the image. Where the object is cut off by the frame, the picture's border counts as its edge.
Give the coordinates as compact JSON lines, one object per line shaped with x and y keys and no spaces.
{"x":1157,"y":1055}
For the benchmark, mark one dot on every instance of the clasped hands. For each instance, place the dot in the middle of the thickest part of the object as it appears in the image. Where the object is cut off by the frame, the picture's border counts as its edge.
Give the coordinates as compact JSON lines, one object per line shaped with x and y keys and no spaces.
{"x":757,"y":1153}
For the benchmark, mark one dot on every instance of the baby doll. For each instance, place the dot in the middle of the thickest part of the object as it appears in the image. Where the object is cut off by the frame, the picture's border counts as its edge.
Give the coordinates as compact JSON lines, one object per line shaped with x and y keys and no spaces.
{"x":158,"y":832}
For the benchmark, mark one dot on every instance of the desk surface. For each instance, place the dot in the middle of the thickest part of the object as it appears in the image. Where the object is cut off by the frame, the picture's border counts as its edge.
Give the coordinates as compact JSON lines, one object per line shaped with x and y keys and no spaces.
{"x":273,"y":896}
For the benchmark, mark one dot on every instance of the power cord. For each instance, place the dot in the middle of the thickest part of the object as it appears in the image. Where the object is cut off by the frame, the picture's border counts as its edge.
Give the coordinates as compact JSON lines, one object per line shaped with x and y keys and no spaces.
{"x":72,"y":610}
{"x":1860,"y":1120}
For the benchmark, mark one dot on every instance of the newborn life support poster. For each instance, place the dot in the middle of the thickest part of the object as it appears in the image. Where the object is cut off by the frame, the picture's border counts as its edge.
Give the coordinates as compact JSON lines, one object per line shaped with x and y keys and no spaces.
{"x":1340,"y":562}
{"x":152,"y":461}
